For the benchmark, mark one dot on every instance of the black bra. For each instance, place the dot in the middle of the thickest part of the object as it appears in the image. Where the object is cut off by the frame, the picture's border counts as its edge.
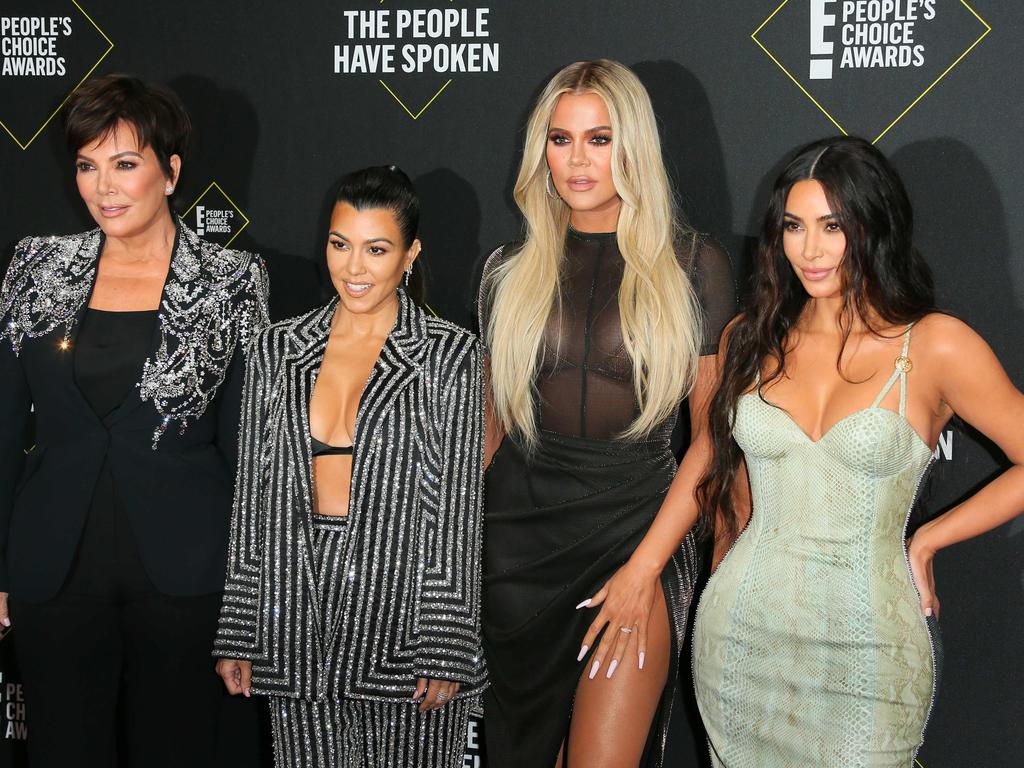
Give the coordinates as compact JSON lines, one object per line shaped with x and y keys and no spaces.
{"x":323,"y":449}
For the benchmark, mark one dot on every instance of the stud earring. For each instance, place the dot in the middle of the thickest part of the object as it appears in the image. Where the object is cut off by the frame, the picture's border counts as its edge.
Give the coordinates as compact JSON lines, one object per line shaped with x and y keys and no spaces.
{"x":168,"y":189}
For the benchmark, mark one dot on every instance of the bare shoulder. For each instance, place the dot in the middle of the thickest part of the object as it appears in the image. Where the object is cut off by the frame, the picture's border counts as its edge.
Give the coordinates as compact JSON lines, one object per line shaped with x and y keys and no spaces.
{"x":945,"y":340}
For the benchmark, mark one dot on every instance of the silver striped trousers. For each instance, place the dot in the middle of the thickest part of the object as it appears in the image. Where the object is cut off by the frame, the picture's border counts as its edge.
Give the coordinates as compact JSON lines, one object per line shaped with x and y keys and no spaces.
{"x":355,"y":733}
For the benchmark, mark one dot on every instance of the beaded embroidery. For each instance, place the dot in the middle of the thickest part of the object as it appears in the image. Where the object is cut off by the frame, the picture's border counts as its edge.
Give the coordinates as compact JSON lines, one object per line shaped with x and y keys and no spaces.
{"x":214,"y":300}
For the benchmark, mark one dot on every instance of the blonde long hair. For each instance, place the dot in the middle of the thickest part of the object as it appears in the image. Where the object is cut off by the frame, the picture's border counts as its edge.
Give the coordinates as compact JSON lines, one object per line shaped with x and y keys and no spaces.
{"x":661,"y":323}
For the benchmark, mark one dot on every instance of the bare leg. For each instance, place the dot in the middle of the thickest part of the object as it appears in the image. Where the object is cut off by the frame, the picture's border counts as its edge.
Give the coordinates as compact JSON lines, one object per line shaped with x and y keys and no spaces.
{"x":612,"y":718}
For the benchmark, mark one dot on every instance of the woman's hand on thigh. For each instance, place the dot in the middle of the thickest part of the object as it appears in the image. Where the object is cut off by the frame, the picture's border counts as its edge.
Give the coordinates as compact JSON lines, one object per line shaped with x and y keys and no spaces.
{"x":434,"y":693}
{"x":625,"y":609}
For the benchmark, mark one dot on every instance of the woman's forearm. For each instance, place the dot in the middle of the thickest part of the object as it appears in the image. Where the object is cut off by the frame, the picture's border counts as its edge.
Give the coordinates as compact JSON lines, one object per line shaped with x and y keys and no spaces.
{"x":996,"y":503}
{"x":679,"y":510}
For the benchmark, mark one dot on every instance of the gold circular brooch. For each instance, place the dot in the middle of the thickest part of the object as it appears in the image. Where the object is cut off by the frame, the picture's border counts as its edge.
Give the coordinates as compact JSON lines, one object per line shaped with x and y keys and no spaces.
{"x":904,"y":364}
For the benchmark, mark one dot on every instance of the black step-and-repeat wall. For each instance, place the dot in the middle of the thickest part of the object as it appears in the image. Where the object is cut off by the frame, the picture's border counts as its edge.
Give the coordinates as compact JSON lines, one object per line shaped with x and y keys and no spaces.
{"x":286,"y":96}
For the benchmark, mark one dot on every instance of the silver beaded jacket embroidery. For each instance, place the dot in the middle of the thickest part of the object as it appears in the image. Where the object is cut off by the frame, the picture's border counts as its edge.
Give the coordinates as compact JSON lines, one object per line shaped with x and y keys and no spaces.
{"x":213,"y":301}
{"x":412,"y":563}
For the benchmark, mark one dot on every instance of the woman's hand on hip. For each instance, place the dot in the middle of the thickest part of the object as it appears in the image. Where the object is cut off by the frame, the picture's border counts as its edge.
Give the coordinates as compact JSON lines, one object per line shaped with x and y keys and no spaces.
{"x":434,"y":693}
{"x":625,"y":603}
{"x":921,"y":558}
{"x":237,"y":676}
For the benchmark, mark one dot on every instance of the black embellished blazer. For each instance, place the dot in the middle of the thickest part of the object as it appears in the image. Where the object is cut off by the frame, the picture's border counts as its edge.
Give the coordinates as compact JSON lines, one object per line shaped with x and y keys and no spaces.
{"x":172,"y":442}
{"x":411,"y":606}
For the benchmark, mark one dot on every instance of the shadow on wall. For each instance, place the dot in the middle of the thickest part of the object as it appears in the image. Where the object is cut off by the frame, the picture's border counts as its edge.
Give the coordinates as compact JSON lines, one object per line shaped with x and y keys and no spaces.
{"x":695,"y":162}
{"x":515,"y":155}
{"x":690,"y":145}
{"x":960,"y":227}
{"x":964,"y":239}
{"x":54,"y":138}
{"x":449,"y":214}
{"x":223,"y":151}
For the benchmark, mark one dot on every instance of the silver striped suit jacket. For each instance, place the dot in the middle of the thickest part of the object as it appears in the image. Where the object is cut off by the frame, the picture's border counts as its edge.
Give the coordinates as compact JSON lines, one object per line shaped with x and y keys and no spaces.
{"x":412,"y":603}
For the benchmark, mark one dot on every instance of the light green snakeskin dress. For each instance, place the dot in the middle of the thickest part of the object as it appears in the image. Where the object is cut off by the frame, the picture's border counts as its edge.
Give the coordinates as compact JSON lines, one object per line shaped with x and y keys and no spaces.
{"x":810,"y":647}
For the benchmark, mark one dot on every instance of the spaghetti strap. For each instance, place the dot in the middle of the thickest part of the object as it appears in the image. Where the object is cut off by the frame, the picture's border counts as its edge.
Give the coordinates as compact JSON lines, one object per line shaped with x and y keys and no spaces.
{"x":901,"y":366}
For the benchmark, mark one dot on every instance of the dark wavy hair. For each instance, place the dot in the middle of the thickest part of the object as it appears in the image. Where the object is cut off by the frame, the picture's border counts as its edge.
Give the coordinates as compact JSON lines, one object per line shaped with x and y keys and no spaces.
{"x":885,"y":281}
{"x":154,"y":112}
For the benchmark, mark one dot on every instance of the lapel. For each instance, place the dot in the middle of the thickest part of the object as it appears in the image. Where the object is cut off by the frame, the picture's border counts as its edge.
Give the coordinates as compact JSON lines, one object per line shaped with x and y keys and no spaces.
{"x":198,"y":323}
{"x":306,"y":347}
{"x":399,"y":362}
{"x":182,"y":276}
{"x":84,"y":265}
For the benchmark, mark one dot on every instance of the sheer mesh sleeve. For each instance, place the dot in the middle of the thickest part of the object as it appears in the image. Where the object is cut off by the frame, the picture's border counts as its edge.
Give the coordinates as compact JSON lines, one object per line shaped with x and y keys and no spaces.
{"x":710,"y":269}
{"x":498,"y":256}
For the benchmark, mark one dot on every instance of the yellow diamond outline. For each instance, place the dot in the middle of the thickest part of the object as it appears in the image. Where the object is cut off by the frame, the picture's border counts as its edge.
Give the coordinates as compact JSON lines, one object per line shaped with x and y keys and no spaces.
{"x":402,"y":103}
{"x":226,"y":197}
{"x":423,"y":108}
{"x":909,"y":107}
{"x":110,"y":47}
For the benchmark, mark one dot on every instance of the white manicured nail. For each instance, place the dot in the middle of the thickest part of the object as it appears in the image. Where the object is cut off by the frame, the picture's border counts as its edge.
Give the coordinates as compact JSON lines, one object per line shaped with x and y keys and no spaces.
{"x":611,"y":667}
{"x":593,"y":669}
{"x":583,"y":652}
{"x":642,"y":655}
{"x":584,"y":604}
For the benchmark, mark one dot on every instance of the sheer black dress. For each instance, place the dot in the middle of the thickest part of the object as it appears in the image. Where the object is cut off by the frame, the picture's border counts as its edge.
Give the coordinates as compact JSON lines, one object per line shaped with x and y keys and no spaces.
{"x":559,"y":522}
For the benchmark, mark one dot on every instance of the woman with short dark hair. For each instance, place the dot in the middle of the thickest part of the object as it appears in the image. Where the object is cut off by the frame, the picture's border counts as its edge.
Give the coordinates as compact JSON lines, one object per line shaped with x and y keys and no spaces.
{"x":353,"y":588}
{"x":127,"y":341}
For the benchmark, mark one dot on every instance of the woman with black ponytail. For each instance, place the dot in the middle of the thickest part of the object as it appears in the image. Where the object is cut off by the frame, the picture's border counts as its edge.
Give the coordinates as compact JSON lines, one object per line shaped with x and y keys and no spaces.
{"x":813,"y":642}
{"x":353,"y":580}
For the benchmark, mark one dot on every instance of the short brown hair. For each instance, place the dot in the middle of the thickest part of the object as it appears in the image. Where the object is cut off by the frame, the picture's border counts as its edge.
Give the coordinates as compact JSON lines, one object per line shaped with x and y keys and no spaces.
{"x":154,"y":112}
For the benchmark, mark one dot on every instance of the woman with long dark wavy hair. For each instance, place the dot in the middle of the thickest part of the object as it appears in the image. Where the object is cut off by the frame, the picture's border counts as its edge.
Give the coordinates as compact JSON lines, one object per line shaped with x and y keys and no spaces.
{"x":813,"y":642}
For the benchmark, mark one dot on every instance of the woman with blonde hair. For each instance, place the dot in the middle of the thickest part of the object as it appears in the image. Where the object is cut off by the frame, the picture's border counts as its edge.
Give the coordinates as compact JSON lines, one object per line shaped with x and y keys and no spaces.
{"x":598,"y":325}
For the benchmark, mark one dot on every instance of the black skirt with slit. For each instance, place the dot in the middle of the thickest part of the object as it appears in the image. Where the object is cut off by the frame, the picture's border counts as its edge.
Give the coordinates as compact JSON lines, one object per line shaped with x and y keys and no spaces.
{"x":558,"y":524}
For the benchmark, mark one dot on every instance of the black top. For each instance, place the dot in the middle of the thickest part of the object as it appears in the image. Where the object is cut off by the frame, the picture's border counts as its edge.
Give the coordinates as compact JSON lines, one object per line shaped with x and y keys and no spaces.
{"x":323,"y":449}
{"x":167,"y":438}
{"x":109,"y":352}
{"x":585,"y":381}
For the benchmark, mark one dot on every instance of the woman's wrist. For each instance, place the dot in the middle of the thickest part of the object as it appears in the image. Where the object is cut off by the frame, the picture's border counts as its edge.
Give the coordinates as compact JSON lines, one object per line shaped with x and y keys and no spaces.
{"x":646,"y":563}
{"x":922,"y":542}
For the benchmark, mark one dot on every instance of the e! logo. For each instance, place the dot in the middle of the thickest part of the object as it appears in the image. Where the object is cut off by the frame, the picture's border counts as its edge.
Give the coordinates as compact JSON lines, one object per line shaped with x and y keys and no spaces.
{"x":218,"y":219}
{"x":821,"y":69}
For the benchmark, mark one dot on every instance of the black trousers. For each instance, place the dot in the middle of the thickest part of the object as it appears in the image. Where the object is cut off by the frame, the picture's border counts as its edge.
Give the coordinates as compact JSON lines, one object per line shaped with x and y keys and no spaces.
{"x":115,"y":672}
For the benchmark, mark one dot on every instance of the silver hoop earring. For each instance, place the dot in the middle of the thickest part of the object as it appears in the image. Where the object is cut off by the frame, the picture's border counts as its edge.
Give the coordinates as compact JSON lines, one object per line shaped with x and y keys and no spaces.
{"x":552,"y":193}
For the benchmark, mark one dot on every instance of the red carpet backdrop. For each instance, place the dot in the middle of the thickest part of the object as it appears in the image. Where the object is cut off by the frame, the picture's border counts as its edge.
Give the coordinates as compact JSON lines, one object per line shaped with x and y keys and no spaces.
{"x":286,"y":96}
